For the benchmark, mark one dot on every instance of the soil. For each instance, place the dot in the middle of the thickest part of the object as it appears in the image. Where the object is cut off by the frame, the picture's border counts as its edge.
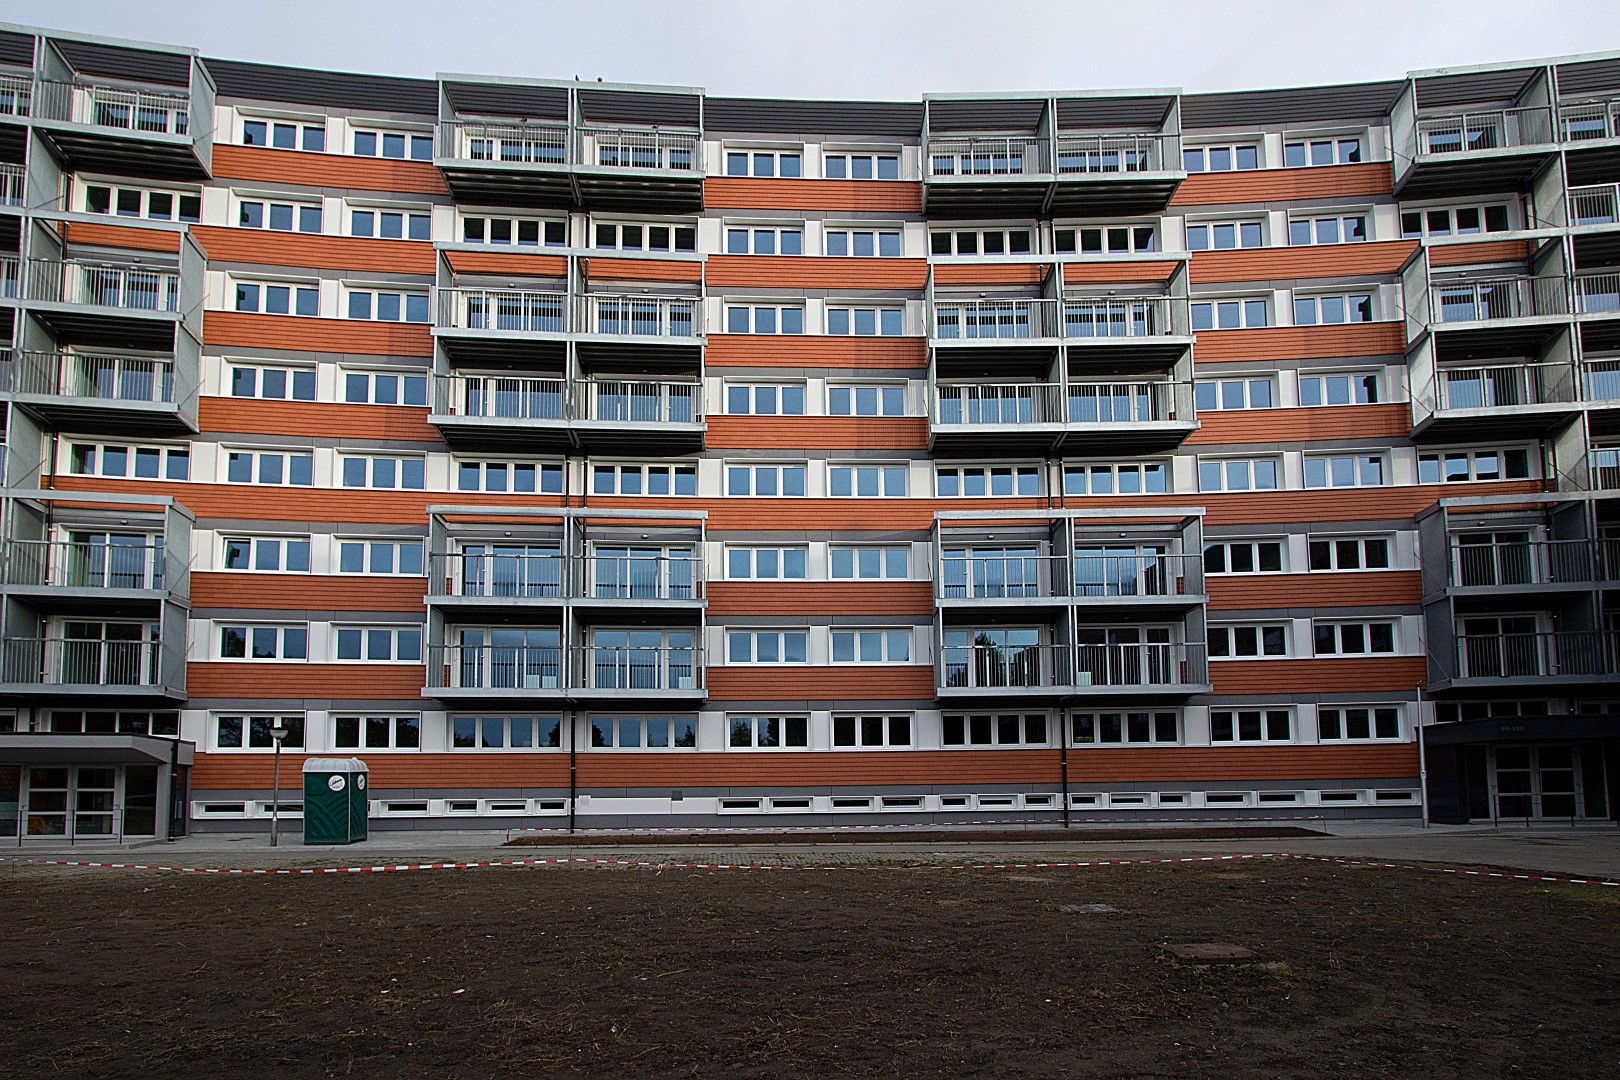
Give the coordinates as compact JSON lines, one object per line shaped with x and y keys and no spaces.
{"x":753,"y":838}
{"x":914,"y":972}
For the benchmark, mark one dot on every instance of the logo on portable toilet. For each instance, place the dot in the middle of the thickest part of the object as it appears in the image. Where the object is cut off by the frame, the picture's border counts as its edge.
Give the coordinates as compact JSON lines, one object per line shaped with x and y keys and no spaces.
{"x":335,"y":783}
{"x":360,"y":781}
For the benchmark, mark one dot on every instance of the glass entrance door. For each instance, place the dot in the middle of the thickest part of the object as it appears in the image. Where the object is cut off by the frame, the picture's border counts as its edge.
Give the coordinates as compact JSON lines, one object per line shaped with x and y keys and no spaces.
{"x":1546,"y":782}
{"x":84,"y":802}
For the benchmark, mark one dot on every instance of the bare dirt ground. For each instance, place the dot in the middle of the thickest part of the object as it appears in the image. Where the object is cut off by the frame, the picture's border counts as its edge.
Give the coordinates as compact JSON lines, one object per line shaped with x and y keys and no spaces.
{"x":1360,"y":972}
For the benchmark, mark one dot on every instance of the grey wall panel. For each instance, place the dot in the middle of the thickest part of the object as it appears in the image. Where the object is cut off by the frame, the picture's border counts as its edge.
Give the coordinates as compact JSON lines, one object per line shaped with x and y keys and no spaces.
{"x":113,"y":61}
{"x":329,"y":89}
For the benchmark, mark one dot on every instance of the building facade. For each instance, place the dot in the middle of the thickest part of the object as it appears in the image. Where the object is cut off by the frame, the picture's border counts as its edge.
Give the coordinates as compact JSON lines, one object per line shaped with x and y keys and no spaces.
{"x":592,"y":454}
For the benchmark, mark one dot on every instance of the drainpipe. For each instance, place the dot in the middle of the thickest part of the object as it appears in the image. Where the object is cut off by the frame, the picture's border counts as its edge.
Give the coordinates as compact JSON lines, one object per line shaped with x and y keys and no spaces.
{"x":1063,"y":760}
{"x":573,"y":767}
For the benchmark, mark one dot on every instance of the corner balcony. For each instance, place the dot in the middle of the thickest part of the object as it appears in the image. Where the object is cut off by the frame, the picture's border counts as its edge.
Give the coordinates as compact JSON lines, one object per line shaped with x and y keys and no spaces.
{"x":1512,"y":315}
{"x":132,"y":663}
{"x":1470,"y":153}
{"x":1106,"y":174}
{"x":1590,"y":133}
{"x":100,"y":570}
{"x":1019,"y":418}
{"x":1594,"y":205}
{"x":497,"y":672}
{"x":13,"y":184}
{"x":1485,"y":572}
{"x":502,"y":411}
{"x":111,"y":394}
{"x":1504,"y":400}
{"x":496,"y":576}
{"x":1085,"y":672}
{"x":503,"y":325}
{"x":1527,"y":661}
{"x":109,"y":304}
{"x":967,"y":176}
{"x":100,"y":126}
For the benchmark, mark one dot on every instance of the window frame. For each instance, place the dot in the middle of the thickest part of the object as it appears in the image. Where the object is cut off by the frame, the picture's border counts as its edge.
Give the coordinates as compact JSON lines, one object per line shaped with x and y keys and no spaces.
{"x":1231,"y":633}
{"x":1244,"y":230}
{"x":168,"y":455}
{"x":1146,"y":473}
{"x":755,"y":722}
{"x":1018,"y":472}
{"x":254,"y":542}
{"x":293,"y":375}
{"x":781,"y":636}
{"x":289,"y":457}
{"x":537,"y":724}
{"x":397,"y":723}
{"x":1152,"y":719}
{"x":1255,"y":558}
{"x":778,"y":322}
{"x":1342,"y":723}
{"x":673,"y":474}
{"x":1307,"y":142}
{"x":1234,"y":147}
{"x":886,"y":555}
{"x":996,"y":728}
{"x":859,"y":727}
{"x":1360,"y":462}
{"x":1267,"y":715}
{"x":781,"y":393}
{"x":300,"y":292}
{"x":782,"y":555}
{"x":246,"y":731}
{"x":782,"y":472}
{"x":887,"y":638}
{"x":544,"y":469}
{"x":1246,"y":307}
{"x":365,"y":638}
{"x":1225,"y":463}
{"x":1334,"y":551}
{"x":250,"y":638}
{"x":368,"y":549}
{"x":1366,"y":628}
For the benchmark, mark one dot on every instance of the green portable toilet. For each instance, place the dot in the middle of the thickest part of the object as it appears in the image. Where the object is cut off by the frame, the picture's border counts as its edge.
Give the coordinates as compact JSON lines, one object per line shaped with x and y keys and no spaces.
{"x":334,"y":800}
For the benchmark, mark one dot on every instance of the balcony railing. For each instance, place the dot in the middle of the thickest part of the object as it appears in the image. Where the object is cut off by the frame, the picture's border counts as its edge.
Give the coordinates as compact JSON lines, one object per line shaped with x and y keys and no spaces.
{"x":510,"y":573}
{"x":642,"y":316}
{"x":517,"y":144}
{"x":994,"y":156}
{"x":10,"y":277}
{"x":999,"y":403}
{"x":1593,"y":294}
{"x":1595,"y":204}
{"x":552,"y":667}
{"x":635,"y":576}
{"x":507,"y":397}
{"x":1062,"y":666}
{"x":1078,"y":154}
{"x":515,"y":310}
{"x":645,"y":401}
{"x":59,"y":661}
{"x":673,"y":151}
{"x":496,"y":667}
{"x":1523,"y":562}
{"x":1602,"y":380}
{"x":1580,"y":121}
{"x":1502,"y":385}
{"x":12,"y":180}
{"x":1093,"y":572}
{"x":1496,"y":298}
{"x":1099,"y":317}
{"x":1125,"y":403}
{"x":1535,"y":655}
{"x":634,"y":667}
{"x":998,"y":320}
{"x":16,"y":95}
{"x":131,"y":288}
{"x":1603,"y":463}
{"x":1493,"y":129}
{"x":142,"y":379}
{"x":144,"y":112}
{"x":118,"y":563}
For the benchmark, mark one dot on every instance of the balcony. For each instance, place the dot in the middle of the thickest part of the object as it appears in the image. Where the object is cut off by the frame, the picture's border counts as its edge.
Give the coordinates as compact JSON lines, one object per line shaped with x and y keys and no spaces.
{"x":10,"y":277}
{"x":1505,"y":399}
{"x":16,"y":95}
{"x":506,"y":163}
{"x":1487,"y":570}
{"x":13,"y":185}
{"x":641,"y":329}
{"x":1590,"y":132}
{"x":126,"y":129}
{"x":1595,"y":294}
{"x":1594,"y":204}
{"x":661,"y":416}
{"x":627,"y":672}
{"x":966,"y":175}
{"x":1118,"y":576}
{"x":104,"y":304}
{"x":1468,"y":153}
{"x":495,"y":575}
{"x":131,"y":666}
{"x":1016,"y":418}
{"x":503,"y":325}
{"x":640,"y":169}
{"x":96,"y":570}
{"x":1071,"y":672}
{"x":491,"y":411}
{"x":1539,"y":658}
{"x":111,"y":394}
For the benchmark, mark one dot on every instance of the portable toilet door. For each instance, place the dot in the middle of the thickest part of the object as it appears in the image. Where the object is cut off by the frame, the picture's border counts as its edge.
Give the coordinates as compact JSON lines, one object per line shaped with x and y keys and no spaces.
{"x":359,"y":805}
{"x":334,"y":800}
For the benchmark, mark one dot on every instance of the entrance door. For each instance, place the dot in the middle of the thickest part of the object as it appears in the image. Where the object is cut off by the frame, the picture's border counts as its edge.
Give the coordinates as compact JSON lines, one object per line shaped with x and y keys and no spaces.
{"x":88,"y":802}
{"x":1543,"y":782}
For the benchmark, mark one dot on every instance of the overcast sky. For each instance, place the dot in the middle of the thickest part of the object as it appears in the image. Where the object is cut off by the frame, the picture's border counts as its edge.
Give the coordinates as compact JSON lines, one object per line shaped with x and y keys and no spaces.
{"x":883,"y":49}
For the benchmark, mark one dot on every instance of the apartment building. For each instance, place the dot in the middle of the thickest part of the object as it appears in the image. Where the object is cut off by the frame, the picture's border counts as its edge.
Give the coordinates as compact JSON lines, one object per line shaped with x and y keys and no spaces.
{"x":591,"y":454}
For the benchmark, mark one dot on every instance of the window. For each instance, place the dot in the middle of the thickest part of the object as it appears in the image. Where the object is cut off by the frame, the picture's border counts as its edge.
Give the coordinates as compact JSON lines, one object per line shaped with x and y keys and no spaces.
{"x":267,"y":553}
{"x":161,"y":724}
{"x":643,"y":732}
{"x":763,"y":240}
{"x":391,"y":224}
{"x":253,"y":732}
{"x":871,"y":646}
{"x":871,"y":731}
{"x":1238,"y":474}
{"x":1251,"y":725}
{"x":1105,"y":239}
{"x":284,"y":135}
{"x":1345,"y":470}
{"x":853,"y":166}
{"x":870,"y":563}
{"x":767,"y":647}
{"x":764,"y":319}
{"x":1244,"y":557}
{"x":505,"y":732}
{"x":863,"y":242}
{"x":1330,"y":310}
{"x":263,"y":642}
{"x":1136,"y":478}
{"x":384,"y":388}
{"x":866,"y":481}
{"x":524,"y":477}
{"x":382,"y":472}
{"x":866,"y":399}
{"x":994,"y":729}
{"x":1357,"y":723}
{"x":1223,"y":235}
{"x":765,"y":399}
{"x":645,"y":479}
{"x":393,"y":144}
{"x":277,"y":468}
{"x":524,"y":232}
{"x":971,"y":482}
{"x":1235,"y":314}
{"x":280,"y":216}
{"x":1454,"y":221}
{"x":123,"y":461}
{"x":1237,"y":642}
{"x":866,"y":321}
{"x":142,"y":203}
{"x":272,"y":383}
{"x":765,"y":563}
{"x":380,"y":557}
{"x":266,"y":298}
{"x":1352,"y":638}
{"x":1342,"y":388}
{"x":377,"y":732}
{"x":765,"y":480}
{"x":382,"y":306}
{"x":982,"y":241}
{"x":638,"y":236}
{"x":1220,"y":395}
{"x":1334,"y":229}
{"x":1125,"y":729}
{"x":1323,"y":150}
{"x":1464,"y":466}
{"x":1227,"y":157}
{"x":785,"y":163}
{"x":1350,"y":553}
{"x":767,"y":732}
{"x":380,"y":643}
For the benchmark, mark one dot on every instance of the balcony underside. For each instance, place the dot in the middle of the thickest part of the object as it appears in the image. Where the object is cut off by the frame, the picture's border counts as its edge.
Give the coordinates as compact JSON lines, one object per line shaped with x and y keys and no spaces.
{"x":1485,"y":599}
{"x":1501,"y":421}
{"x":504,"y":348}
{"x":497,"y":433}
{"x":1523,"y":685}
{"x":97,"y":695}
{"x":518,"y":697}
{"x":990,"y":357}
{"x":94,"y":416}
{"x":1113,"y":608}
{"x":1086,"y":195}
{"x":535,"y":611}
{"x":583,"y":187}
{"x":1595,"y":162}
{"x":97,"y":600}
{"x":1070,"y":694}
{"x":497,"y":183}
{"x":634,"y":436}
{"x":1478,"y":172}
{"x":96,"y":149}
{"x":1017,"y":440}
{"x":1603,"y":418}
{"x":1494,"y":338}
{"x":1598,"y":247}
{"x":628,"y":354}
{"x":1064,"y":195}
{"x":639,"y":191}
{"x":107,"y":327}
{"x":1599,"y":335}
{"x":1124,"y":355}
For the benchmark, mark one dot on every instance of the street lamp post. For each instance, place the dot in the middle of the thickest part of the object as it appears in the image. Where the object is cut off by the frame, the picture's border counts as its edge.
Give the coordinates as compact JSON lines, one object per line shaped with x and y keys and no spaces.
{"x":277,"y":732}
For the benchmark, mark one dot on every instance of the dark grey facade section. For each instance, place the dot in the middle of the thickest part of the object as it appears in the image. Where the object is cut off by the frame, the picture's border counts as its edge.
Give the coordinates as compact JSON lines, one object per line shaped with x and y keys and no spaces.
{"x":16,"y":49}
{"x":1590,"y":77}
{"x":1311,"y":105}
{"x":328,"y":89}
{"x":507,"y":100}
{"x":1473,"y":88}
{"x":113,"y":61}
{"x":894,"y":118}
{"x":598,"y":106}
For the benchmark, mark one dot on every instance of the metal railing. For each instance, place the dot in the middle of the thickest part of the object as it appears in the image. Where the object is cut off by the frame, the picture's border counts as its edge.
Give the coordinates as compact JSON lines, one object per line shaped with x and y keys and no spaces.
{"x":1521,"y":562}
{"x":95,"y":375}
{"x":1001,"y":320}
{"x":1533,"y":655}
{"x":998,"y":403}
{"x":996,"y":156}
{"x":1594,"y":204}
{"x":1602,"y":380}
{"x":1603,"y":467}
{"x":1501,"y":385}
{"x":552,"y":667}
{"x":517,"y":144}
{"x":1110,"y":153}
{"x":635,"y":667}
{"x":1114,"y":317}
{"x":1579,"y":121}
{"x":1122,"y":571}
{"x":635,"y":576}
{"x":510,"y":573}
{"x":1063,"y":666}
{"x":85,"y":564}
{"x":1095,"y":572}
{"x":642,"y":316}
{"x":145,"y":112}
{"x":1493,"y":129}
{"x":674,"y":151}
{"x":496,"y":667}
{"x":509,"y":397}
{"x":13,"y":179}
{"x":1593,"y":294}
{"x":60,"y":661}
{"x":516,"y":310}
{"x":1484,"y":299}
{"x":16,"y":95}
{"x":10,"y":277}
{"x":133,"y":288}
{"x":1124,"y":402}
{"x":643,"y":401}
